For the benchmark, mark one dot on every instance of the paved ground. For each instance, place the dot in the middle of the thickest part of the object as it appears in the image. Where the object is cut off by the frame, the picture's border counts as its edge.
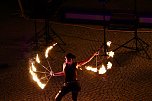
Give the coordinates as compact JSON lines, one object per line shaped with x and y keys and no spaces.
{"x":129,"y":78}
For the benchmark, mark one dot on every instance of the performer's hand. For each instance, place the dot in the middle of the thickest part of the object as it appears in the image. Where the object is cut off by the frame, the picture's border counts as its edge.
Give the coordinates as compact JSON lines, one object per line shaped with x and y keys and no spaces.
{"x":51,"y":73}
{"x":96,"y":53}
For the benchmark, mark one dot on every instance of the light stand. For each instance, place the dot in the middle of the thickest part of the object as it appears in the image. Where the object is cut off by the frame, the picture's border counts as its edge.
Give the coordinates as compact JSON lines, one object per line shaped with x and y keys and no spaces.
{"x":140,"y":45}
{"x":104,"y":44}
{"x":103,"y":2}
{"x":49,"y":33}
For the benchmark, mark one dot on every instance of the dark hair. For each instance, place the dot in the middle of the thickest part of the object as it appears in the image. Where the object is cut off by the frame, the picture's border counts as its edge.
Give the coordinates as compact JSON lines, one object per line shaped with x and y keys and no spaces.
{"x":70,"y":56}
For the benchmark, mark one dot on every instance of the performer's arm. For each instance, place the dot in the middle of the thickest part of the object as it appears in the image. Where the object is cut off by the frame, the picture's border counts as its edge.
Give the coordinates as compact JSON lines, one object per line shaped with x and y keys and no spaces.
{"x":79,"y":64}
{"x":60,"y":73}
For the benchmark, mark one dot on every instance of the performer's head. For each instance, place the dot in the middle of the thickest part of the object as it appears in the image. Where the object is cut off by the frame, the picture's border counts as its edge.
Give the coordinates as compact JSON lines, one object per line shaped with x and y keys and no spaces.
{"x":69,"y":58}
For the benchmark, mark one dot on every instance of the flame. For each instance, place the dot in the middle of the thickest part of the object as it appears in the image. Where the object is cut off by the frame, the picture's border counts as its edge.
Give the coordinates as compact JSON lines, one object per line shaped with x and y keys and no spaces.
{"x":37,"y":58}
{"x":109,"y":43}
{"x":91,"y":68}
{"x":102,"y":70}
{"x":109,"y":65}
{"x":111,"y":53}
{"x":35,"y":77}
{"x":80,"y":68}
{"x":48,"y":49}
{"x":33,"y":70}
{"x":33,"y":67}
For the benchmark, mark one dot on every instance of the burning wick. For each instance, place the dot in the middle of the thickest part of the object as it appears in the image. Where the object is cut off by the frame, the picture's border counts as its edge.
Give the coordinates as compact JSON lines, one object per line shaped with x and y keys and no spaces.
{"x":102,"y":70}
{"x":110,"y":54}
{"x":109,"y":43}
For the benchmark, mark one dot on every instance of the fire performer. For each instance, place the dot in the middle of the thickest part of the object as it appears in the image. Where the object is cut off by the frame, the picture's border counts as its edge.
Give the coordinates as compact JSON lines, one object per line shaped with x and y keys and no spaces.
{"x":70,"y":72}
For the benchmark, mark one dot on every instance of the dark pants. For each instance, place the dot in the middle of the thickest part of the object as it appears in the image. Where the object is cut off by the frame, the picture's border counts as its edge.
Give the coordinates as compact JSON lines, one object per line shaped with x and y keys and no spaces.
{"x":73,"y":87}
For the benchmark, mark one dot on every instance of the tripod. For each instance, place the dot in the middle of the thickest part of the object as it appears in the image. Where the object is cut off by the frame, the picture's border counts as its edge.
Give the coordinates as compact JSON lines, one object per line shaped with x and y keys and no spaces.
{"x":140,"y":45}
{"x":47,"y":35}
{"x":103,"y":2}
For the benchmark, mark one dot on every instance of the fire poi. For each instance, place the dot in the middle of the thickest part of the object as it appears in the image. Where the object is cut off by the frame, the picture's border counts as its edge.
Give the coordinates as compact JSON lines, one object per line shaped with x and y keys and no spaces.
{"x":102,"y":68}
{"x":43,"y":76}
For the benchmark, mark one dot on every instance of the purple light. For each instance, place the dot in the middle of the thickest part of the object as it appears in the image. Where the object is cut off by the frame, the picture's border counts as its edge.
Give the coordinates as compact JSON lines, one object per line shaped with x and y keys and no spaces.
{"x":145,"y":20}
{"x":87,"y":16}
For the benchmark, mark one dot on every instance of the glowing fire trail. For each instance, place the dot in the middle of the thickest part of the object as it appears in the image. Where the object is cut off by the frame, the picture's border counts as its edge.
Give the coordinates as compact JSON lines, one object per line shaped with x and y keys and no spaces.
{"x":48,"y":49}
{"x":46,"y":54}
{"x":35,"y":77}
{"x":33,"y":71}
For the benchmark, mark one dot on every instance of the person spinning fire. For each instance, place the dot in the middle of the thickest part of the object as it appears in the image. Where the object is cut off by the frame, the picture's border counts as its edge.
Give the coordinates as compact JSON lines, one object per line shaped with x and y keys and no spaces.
{"x":70,"y":73}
